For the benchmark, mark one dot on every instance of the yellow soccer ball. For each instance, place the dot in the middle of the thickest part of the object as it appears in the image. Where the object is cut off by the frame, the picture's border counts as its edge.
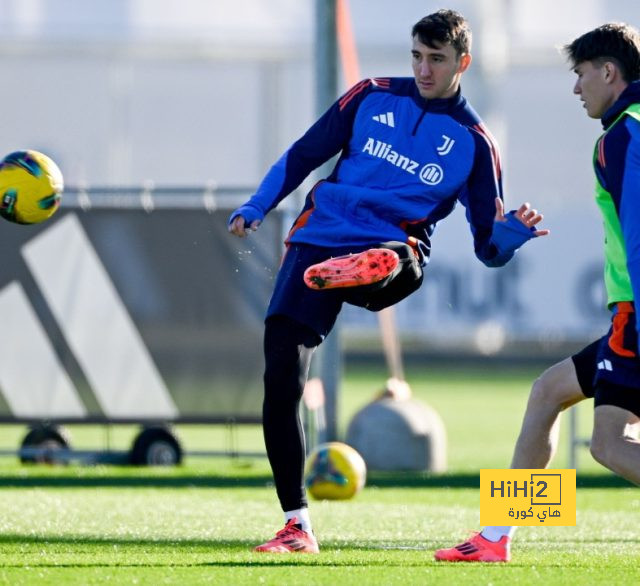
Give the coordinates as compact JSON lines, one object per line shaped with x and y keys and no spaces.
{"x":31,"y":187}
{"x":335,"y":471}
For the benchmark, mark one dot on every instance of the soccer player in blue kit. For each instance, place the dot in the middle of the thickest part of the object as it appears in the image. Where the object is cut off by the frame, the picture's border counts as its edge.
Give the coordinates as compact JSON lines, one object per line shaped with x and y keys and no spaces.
{"x":409,"y":150}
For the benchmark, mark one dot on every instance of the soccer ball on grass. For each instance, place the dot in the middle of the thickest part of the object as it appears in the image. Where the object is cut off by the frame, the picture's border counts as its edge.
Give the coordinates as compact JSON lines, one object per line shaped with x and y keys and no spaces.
{"x":30,"y":187}
{"x":335,"y":471}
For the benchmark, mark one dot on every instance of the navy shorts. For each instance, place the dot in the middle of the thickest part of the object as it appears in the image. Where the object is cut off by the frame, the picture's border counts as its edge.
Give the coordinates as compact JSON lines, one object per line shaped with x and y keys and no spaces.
{"x":319,"y":309}
{"x":609,"y":368}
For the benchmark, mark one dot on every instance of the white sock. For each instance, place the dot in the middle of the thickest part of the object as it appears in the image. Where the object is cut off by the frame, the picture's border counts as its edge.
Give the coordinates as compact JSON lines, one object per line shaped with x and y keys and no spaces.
{"x":496,"y":533}
{"x":302,"y":516}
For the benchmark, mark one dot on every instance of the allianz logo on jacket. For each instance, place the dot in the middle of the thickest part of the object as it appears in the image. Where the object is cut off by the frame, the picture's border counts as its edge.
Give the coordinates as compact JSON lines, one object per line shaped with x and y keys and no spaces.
{"x":431,"y":173}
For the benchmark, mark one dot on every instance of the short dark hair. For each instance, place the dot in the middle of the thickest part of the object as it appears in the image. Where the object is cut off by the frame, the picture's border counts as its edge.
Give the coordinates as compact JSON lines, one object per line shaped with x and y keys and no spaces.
{"x":616,"y":42}
{"x":444,"y":27}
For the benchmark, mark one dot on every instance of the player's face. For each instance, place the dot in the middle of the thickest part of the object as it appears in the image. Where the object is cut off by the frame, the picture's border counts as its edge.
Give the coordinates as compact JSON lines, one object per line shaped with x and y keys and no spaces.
{"x":437,"y":71}
{"x":592,"y":87}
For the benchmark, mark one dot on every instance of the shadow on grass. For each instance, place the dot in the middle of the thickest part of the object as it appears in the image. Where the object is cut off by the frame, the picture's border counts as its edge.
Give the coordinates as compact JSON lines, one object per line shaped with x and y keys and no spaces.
{"x":237,"y":553}
{"x":122,"y":552}
{"x":374,"y":479}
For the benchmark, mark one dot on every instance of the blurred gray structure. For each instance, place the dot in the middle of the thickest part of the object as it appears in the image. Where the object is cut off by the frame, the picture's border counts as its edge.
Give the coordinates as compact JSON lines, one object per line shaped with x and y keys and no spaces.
{"x":328,"y":360}
{"x":133,"y":307}
{"x":399,"y":435}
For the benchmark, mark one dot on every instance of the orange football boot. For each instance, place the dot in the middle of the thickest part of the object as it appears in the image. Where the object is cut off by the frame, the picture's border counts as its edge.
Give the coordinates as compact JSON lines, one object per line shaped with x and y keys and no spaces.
{"x":352,"y":270}
{"x":477,"y":549}
{"x":291,"y":539}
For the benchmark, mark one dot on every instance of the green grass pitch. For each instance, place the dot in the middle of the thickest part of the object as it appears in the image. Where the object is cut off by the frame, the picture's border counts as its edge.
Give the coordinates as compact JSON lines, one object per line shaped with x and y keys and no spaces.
{"x":196,"y":524}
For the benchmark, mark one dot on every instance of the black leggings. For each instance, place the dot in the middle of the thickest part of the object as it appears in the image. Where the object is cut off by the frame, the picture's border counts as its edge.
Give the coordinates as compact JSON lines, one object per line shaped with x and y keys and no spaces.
{"x":288,"y":347}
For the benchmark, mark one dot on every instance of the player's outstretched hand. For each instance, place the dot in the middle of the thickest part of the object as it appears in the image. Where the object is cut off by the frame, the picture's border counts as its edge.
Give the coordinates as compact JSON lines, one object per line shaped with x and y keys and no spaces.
{"x":239,"y":227}
{"x":525,"y":214}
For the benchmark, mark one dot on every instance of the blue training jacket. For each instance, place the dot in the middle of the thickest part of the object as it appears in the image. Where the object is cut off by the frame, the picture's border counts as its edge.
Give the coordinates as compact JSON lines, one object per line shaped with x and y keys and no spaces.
{"x":404,"y":164}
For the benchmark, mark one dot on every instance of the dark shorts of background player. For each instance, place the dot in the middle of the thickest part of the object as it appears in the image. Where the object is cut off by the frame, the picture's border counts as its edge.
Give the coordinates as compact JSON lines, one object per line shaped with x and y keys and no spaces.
{"x":319,"y":309}
{"x":609,"y":369}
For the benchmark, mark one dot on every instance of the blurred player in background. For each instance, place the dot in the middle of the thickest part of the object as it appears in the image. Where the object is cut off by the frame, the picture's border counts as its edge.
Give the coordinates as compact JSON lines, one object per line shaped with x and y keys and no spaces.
{"x":607,"y":63}
{"x":409,"y":150}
